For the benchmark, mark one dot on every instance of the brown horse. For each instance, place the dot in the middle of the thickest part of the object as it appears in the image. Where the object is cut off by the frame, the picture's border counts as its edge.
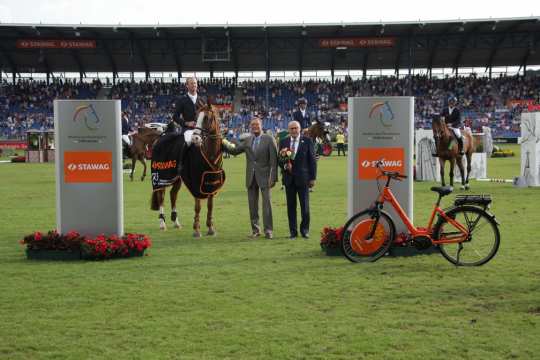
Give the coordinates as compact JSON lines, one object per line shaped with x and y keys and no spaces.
{"x":137,"y":151}
{"x":210,"y":151}
{"x":447,"y":150}
{"x":318,"y":133}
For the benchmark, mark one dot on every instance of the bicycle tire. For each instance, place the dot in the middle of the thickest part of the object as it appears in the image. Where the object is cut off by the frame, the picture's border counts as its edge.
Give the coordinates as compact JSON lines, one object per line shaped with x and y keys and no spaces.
{"x":353,"y":243}
{"x":484,"y":244}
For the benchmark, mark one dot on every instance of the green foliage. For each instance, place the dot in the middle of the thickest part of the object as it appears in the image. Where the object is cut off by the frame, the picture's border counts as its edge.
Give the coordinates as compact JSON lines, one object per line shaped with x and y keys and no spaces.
{"x":229,"y":297}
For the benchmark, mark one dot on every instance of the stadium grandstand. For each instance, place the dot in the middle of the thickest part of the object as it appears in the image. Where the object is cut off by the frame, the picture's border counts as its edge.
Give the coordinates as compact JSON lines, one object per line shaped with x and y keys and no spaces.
{"x":491,"y":66}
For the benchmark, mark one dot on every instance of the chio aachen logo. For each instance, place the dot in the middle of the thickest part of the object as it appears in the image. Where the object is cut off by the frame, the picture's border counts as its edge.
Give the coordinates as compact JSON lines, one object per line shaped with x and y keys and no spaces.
{"x":383,"y":112}
{"x":88,"y":115}
{"x":71,"y":167}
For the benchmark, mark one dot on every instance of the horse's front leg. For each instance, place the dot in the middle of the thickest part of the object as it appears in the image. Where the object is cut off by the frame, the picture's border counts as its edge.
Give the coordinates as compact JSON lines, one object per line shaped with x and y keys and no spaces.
{"x":133,"y":161}
{"x":174,"y":195}
{"x":469,"y":161}
{"x":209,"y":223}
{"x":459,"y":161}
{"x":196,"y":224}
{"x":143,"y":162}
{"x":441,"y":162}
{"x":451,"y":173}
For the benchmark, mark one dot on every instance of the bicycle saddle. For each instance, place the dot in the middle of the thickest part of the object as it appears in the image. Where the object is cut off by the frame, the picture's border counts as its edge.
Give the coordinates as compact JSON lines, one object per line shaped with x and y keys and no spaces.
{"x":442,"y":190}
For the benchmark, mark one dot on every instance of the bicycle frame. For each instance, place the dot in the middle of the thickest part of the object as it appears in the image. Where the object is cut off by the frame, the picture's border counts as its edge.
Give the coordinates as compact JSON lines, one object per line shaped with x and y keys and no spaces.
{"x":388,"y":196}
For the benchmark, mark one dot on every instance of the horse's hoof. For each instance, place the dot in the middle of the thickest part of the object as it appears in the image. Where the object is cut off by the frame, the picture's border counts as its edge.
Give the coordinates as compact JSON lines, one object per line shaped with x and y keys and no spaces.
{"x":462,"y":187}
{"x":467,"y":187}
{"x":142,"y":178}
{"x":196,"y":234}
{"x":162,"y":227}
{"x":177,"y":225}
{"x":211,"y":233}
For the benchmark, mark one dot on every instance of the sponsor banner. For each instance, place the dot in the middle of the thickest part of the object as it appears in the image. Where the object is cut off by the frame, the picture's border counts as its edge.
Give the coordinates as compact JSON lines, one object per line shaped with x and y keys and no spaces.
{"x":357,"y":42}
{"x":13,"y":144}
{"x":55,"y":44}
{"x":516,"y":102}
{"x":393,"y":159}
{"x":533,"y":108}
{"x":222,"y":107}
{"x":88,"y":166}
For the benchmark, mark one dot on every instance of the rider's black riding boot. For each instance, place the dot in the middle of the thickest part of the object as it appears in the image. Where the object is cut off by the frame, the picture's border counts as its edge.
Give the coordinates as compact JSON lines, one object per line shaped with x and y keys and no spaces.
{"x":460,"y":146}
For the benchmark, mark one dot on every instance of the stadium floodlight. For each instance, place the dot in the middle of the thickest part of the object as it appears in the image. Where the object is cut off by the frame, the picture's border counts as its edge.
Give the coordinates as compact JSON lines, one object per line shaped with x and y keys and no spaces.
{"x":382,"y":29}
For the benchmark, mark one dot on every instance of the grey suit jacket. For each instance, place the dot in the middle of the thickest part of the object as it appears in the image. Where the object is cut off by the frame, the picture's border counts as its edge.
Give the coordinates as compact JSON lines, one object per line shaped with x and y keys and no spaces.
{"x":261,"y":163}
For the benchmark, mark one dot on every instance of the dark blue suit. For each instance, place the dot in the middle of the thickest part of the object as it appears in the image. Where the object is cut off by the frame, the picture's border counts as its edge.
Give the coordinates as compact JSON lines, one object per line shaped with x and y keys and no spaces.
{"x":305,"y":122}
{"x":304,"y":170}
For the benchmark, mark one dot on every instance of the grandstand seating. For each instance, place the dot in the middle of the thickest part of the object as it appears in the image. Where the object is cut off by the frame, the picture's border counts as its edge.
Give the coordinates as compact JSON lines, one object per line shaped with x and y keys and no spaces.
{"x":484,"y":102}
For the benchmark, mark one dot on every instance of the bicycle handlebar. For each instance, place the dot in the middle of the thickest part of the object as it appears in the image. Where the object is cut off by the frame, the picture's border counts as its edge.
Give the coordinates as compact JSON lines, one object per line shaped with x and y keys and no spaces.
{"x":391,"y":174}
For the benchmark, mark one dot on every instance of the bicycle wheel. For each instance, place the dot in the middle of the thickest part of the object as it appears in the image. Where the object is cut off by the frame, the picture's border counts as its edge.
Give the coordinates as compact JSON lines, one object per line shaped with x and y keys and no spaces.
{"x":356,"y":243}
{"x":483,"y":240}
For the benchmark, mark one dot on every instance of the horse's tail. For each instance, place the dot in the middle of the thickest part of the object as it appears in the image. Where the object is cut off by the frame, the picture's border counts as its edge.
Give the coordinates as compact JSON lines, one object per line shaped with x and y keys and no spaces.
{"x":154,"y":202}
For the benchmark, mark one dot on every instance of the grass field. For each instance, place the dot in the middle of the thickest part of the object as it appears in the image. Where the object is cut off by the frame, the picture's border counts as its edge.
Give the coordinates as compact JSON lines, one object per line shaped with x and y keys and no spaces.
{"x":232,"y":298}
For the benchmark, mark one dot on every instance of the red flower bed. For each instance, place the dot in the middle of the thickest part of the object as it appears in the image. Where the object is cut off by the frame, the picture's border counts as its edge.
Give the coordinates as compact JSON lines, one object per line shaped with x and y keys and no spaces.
{"x":100,"y":247}
{"x":331,"y":237}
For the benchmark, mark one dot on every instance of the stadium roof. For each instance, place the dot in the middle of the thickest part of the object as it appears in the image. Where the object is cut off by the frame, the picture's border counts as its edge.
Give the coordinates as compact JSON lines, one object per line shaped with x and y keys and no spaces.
{"x":340,"y":46}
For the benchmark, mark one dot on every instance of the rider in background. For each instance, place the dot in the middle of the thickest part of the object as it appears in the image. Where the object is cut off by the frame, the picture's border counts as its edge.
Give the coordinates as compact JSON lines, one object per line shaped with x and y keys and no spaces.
{"x":126,"y":129}
{"x":452,"y":118}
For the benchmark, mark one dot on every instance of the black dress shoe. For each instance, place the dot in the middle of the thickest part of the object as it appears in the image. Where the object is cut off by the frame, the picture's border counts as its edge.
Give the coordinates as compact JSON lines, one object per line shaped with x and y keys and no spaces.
{"x":293,"y":236}
{"x":305,"y":235}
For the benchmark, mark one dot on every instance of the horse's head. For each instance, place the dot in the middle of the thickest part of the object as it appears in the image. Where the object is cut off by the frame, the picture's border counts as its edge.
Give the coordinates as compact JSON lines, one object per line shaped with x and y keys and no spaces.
{"x":440,"y":130}
{"x":209,"y":120}
{"x":319,"y":131}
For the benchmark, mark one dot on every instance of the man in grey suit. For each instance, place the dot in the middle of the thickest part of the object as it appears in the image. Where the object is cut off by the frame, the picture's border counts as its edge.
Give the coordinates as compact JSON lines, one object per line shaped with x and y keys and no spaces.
{"x":261,"y":175}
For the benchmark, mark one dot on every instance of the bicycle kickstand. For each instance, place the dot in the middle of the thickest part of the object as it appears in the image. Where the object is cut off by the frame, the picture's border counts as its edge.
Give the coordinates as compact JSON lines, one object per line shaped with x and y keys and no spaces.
{"x":458,"y":252}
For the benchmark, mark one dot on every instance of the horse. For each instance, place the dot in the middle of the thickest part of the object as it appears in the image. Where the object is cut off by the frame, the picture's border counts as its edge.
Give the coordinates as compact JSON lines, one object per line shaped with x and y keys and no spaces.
{"x":209,"y":153}
{"x":447,"y":150}
{"x":137,"y":150}
{"x":318,"y":133}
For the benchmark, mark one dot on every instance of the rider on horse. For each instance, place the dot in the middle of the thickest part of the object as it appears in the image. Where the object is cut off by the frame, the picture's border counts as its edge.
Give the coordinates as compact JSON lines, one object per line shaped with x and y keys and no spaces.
{"x":126,"y":129}
{"x":185,"y":116}
{"x":452,"y":118}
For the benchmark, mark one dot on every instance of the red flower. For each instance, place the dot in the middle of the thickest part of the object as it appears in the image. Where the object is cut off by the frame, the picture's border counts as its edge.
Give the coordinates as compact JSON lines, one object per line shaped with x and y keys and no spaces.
{"x":38,"y":236}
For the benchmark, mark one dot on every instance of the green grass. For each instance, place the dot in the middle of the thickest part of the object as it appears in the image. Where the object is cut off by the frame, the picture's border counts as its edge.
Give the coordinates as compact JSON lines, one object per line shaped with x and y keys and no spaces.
{"x":232,"y":298}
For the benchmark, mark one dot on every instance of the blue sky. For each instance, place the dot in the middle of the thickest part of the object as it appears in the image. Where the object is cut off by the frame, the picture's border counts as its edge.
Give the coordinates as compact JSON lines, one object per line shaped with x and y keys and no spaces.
{"x":252,"y":12}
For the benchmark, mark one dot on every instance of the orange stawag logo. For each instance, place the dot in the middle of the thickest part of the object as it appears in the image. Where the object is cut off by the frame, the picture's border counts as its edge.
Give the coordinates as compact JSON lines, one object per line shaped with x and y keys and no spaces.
{"x":87,"y":166}
{"x":393,"y":160}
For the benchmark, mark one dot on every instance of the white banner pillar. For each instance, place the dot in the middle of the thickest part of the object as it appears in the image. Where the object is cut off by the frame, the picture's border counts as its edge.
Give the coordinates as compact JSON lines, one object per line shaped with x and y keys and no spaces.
{"x":89,"y":181}
{"x":380,"y":128}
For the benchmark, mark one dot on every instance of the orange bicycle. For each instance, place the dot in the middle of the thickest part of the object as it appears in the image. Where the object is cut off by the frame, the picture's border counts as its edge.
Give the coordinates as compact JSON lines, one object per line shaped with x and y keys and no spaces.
{"x":465,"y":233}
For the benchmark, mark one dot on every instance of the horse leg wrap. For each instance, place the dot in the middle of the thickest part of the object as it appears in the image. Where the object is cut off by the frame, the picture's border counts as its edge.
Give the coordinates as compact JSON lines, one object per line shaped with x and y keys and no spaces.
{"x":174,"y":216}
{"x":161,"y":217}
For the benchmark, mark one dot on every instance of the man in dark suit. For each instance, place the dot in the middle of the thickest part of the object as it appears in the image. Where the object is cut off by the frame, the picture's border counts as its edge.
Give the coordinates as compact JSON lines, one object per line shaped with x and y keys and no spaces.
{"x":299,"y":177}
{"x":452,"y":118}
{"x":301,"y":115}
{"x":184,"y":115}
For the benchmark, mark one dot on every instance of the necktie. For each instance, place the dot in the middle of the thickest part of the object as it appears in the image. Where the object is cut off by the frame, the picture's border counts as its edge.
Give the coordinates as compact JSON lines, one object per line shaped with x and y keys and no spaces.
{"x":294,"y":146}
{"x":255,"y":143}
